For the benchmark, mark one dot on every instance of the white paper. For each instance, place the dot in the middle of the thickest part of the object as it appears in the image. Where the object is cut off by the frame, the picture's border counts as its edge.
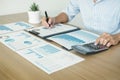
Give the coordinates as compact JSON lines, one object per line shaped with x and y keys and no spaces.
{"x":14,"y":27}
{"x":19,"y":40}
{"x":44,"y":55}
{"x":54,"y":30}
{"x":50,"y":58}
{"x":74,"y":38}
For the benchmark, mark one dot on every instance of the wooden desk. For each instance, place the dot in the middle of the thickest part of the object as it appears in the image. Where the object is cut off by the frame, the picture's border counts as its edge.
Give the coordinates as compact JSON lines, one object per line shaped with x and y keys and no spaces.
{"x":102,"y":66}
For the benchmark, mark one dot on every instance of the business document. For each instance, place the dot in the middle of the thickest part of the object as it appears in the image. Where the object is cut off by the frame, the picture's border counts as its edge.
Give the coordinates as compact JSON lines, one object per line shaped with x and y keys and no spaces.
{"x":67,"y":40}
{"x":42,"y":54}
{"x":15,"y":26}
{"x":45,"y":32}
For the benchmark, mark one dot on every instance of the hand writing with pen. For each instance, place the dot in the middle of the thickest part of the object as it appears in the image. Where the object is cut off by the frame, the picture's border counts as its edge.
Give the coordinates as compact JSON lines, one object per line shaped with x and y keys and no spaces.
{"x":48,"y":22}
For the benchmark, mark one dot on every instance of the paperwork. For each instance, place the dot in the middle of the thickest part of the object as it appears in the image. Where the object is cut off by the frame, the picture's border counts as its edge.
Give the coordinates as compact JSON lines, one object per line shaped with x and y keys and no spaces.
{"x":74,"y":38}
{"x":19,"y":40}
{"x":44,"y":32}
{"x":49,"y":57}
{"x":44,"y":55}
{"x":14,"y":27}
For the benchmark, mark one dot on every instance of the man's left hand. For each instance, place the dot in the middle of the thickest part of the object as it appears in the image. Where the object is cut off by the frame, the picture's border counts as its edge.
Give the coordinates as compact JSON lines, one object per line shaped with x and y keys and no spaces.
{"x":108,"y":39}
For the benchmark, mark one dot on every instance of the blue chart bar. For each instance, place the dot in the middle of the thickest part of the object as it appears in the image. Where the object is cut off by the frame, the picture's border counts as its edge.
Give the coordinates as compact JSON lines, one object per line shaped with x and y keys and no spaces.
{"x":5,"y":28}
{"x":67,"y":40}
{"x":30,"y":53}
{"x":86,"y":35}
{"x":47,"y":49}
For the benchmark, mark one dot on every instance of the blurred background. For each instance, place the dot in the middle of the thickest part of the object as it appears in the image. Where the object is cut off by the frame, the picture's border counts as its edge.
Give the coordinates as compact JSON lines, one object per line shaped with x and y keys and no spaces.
{"x":53,"y":7}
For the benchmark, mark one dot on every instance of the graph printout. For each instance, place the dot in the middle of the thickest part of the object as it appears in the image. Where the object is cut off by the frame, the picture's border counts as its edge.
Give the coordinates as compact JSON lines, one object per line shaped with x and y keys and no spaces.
{"x":57,"y":29}
{"x":50,"y":58}
{"x":14,"y":27}
{"x":42,"y":54}
{"x":19,"y":40}
{"x":74,"y":38}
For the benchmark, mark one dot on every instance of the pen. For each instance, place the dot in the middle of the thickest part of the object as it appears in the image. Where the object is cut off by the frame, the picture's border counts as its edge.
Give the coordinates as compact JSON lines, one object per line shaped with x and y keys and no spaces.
{"x":46,"y":15}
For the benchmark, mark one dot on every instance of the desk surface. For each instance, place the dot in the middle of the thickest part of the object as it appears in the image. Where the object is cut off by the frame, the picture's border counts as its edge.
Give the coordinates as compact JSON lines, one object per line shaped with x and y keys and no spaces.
{"x":101,"y":66}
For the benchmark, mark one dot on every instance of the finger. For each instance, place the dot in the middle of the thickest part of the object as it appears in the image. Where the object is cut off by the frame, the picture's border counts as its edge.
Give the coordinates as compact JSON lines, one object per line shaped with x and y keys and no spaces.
{"x":108,"y":44}
{"x":97,"y":41}
{"x":51,"y":22}
{"x":44,"y":23}
{"x":104,"y":38}
{"x":107,"y":39}
{"x":105,"y":42}
{"x":101,"y":41}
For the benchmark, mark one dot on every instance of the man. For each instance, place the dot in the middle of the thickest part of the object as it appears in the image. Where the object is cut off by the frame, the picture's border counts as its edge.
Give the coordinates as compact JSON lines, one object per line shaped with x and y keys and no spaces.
{"x":101,"y":16}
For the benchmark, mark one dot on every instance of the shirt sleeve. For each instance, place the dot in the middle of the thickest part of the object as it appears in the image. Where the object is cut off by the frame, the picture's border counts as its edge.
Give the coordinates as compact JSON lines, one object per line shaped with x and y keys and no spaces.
{"x":72,"y":9}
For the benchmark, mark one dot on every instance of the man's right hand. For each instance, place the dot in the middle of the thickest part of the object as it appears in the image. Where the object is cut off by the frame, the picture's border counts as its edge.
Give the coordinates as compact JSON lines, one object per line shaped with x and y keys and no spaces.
{"x":48,"y":24}
{"x":61,"y":18}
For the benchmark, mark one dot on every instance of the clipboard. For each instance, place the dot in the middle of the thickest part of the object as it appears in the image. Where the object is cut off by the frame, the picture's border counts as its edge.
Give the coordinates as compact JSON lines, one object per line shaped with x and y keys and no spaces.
{"x":44,"y":32}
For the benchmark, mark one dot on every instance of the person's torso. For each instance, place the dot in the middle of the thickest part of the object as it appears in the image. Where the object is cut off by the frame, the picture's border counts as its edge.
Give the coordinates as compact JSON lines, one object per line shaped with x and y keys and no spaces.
{"x":102,"y":16}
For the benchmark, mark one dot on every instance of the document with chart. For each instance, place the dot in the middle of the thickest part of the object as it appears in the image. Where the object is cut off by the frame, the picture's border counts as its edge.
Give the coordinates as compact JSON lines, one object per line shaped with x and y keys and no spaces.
{"x":74,"y":38}
{"x":42,"y":54}
{"x":19,"y":40}
{"x":10,"y":27}
{"x":49,"y":58}
{"x":44,"y":32}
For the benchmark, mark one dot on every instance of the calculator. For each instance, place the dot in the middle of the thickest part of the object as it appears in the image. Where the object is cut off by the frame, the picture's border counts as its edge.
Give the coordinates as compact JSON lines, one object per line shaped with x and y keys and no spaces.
{"x":89,"y":48}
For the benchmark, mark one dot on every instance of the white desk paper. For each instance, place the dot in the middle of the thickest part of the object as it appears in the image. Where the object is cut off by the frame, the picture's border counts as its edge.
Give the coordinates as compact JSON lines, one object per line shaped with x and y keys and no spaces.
{"x":19,"y":40}
{"x":73,"y":38}
{"x":57,"y":29}
{"x":50,"y":58}
{"x":44,"y":55}
{"x":14,"y":27}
